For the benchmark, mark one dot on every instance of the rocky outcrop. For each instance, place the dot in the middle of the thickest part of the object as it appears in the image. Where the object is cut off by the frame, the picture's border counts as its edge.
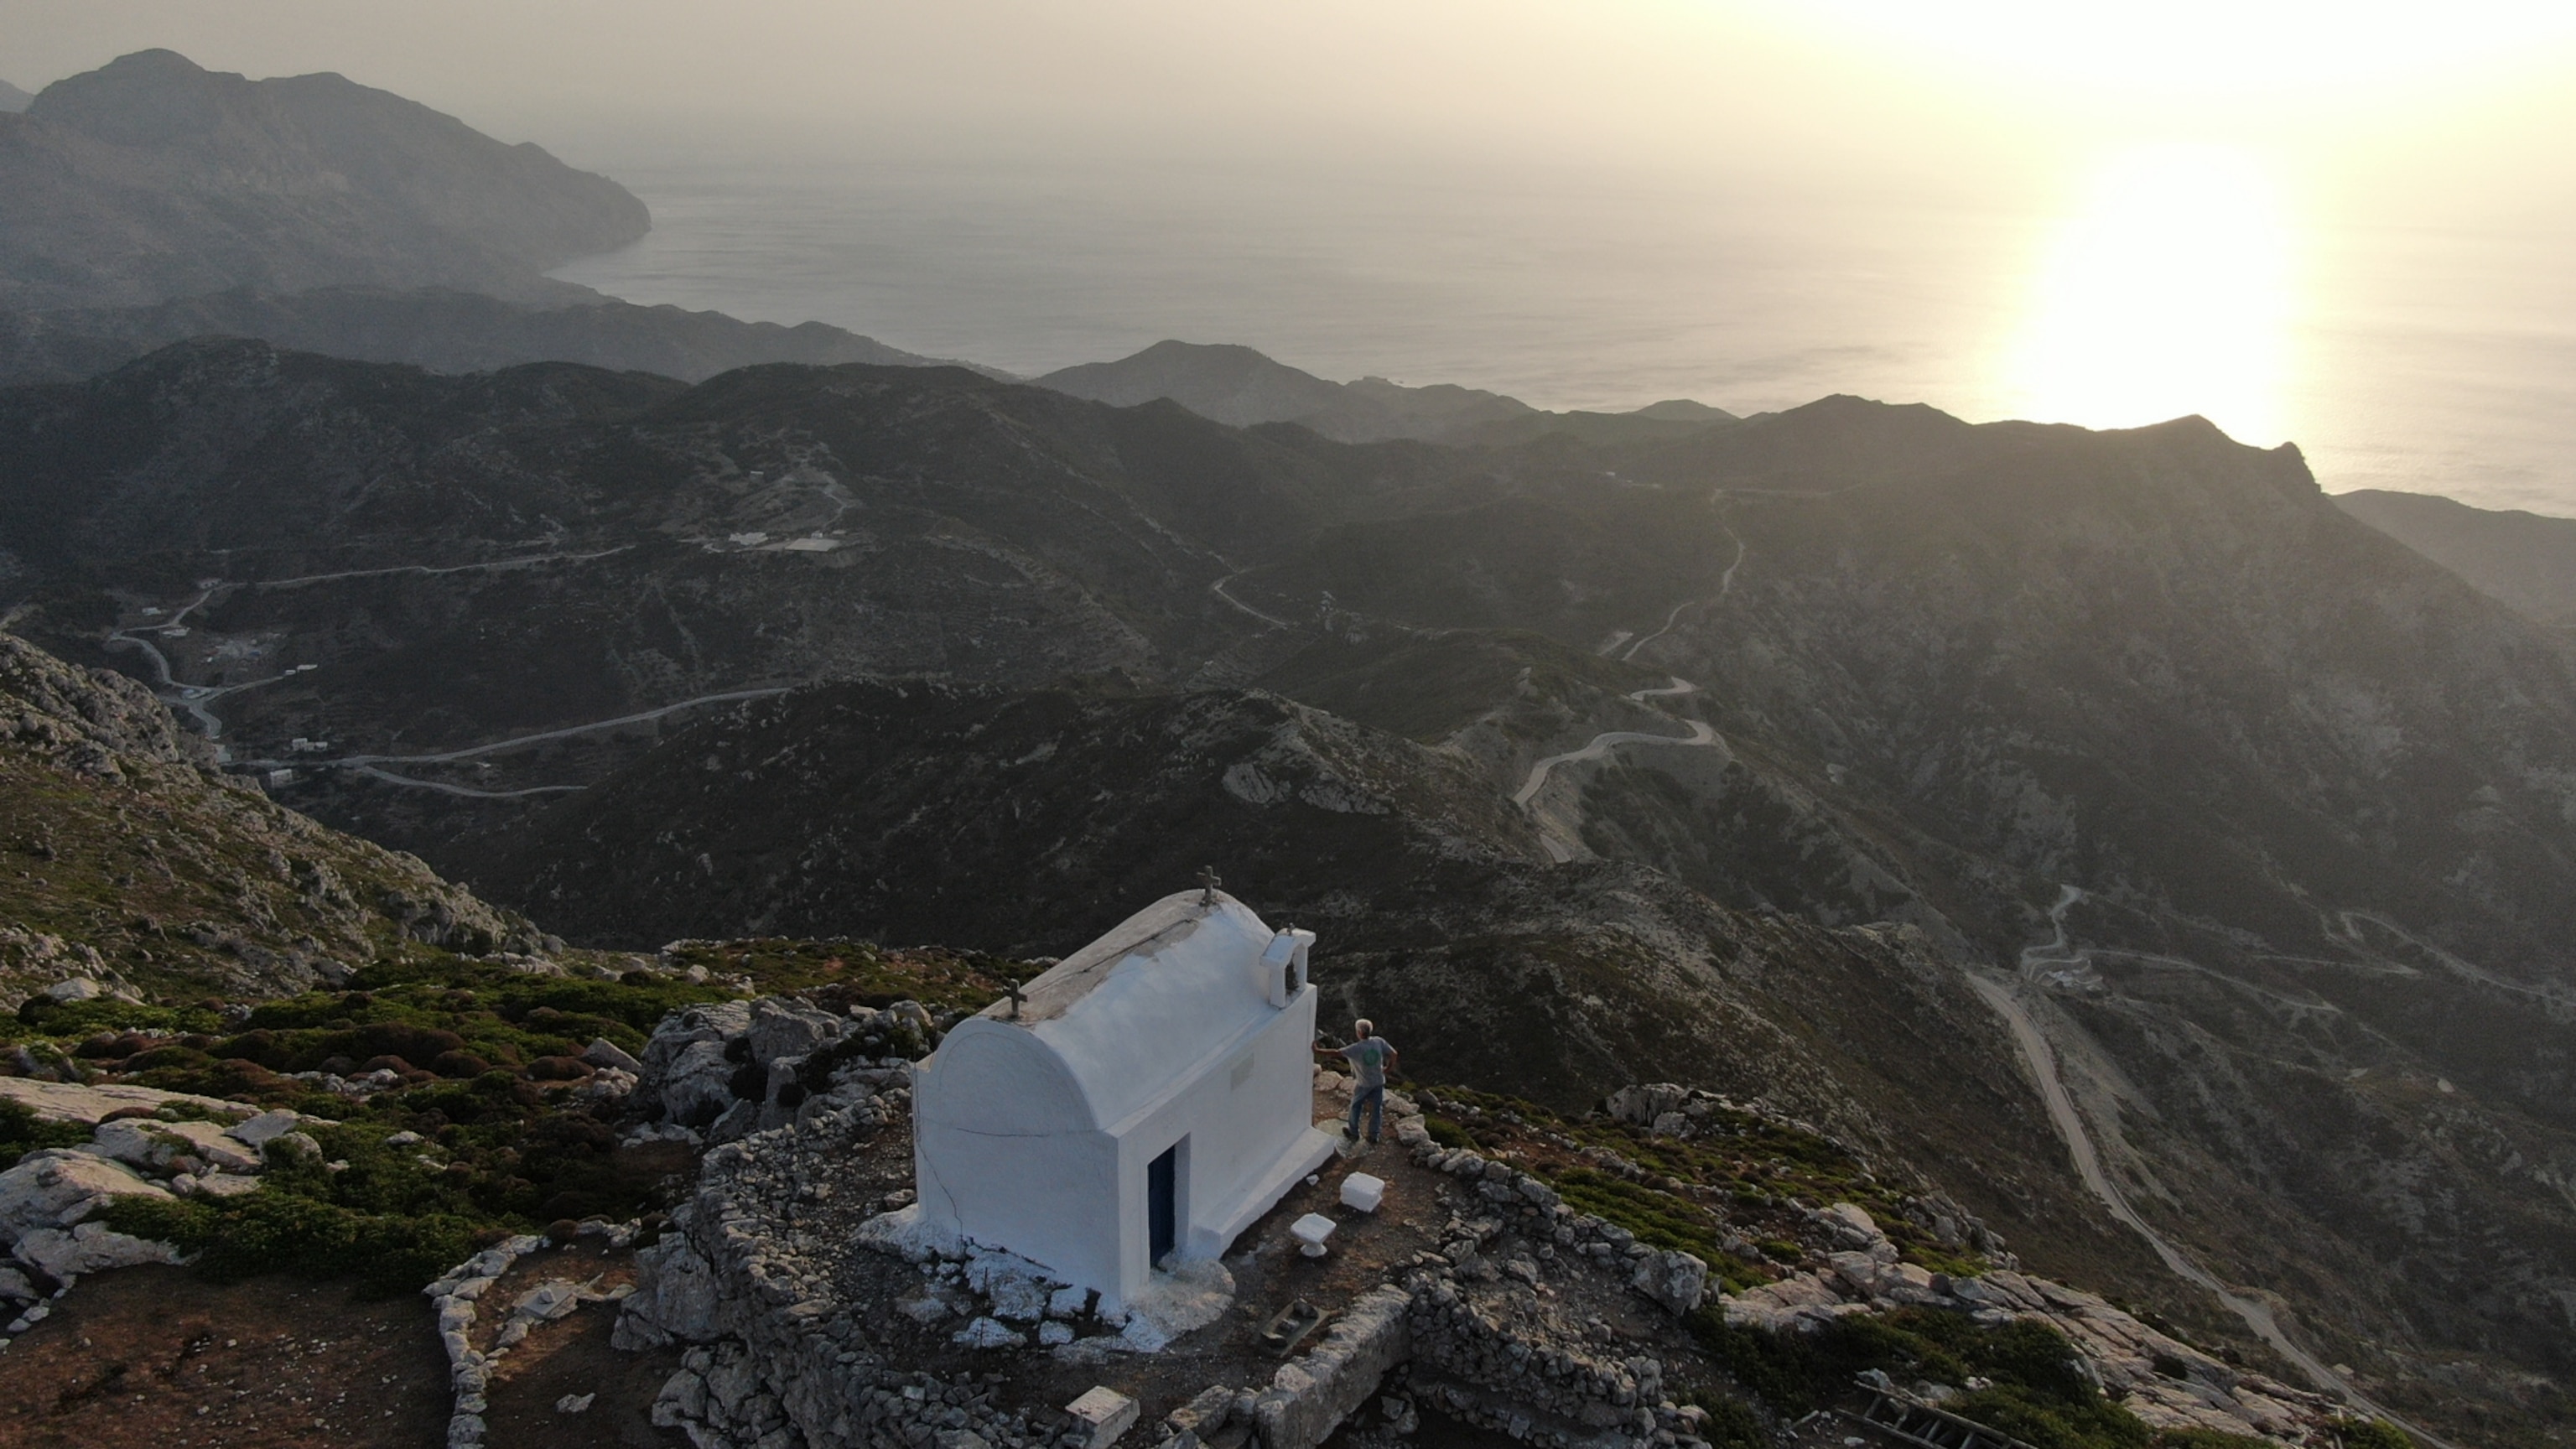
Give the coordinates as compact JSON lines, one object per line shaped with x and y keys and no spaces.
{"x":223,"y":890}
{"x":51,"y":1200}
{"x":723,"y":1071}
{"x":88,"y":719}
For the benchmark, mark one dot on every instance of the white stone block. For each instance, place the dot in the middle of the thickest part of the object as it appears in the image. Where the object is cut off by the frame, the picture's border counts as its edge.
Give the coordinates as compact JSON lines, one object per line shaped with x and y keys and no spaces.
{"x":1108,"y":1412}
{"x":1360,"y":1190}
{"x":1310,"y":1232}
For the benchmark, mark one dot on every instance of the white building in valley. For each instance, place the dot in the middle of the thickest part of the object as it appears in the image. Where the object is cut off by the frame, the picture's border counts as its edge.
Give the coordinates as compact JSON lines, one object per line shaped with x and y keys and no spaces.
{"x":1147,"y":1098}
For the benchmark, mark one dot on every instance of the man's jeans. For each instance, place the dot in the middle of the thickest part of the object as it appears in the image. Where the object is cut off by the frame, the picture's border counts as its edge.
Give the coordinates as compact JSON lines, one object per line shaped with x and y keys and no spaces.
{"x":1374,"y":1099}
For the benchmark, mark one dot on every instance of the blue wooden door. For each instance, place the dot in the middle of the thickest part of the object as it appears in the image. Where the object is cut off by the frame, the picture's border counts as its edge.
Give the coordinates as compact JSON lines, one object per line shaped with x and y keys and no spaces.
{"x":1162,"y":1218}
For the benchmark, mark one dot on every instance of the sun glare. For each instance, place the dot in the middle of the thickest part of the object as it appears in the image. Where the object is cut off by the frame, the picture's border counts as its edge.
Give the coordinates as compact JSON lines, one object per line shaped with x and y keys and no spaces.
{"x":2199,"y":45}
{"x":2166,"y":293}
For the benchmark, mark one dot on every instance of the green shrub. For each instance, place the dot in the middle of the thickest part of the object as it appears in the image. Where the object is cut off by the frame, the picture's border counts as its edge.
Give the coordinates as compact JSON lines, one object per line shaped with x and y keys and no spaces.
{"x":1446,"y":1132}
{"x":2209,"y":1439}
{"x":2037,"y":1393}
{"x":21,"y":1132}
{"x":1658,"y":1219}
{"x":2375,"y":1434}
{"x":1733,"y":1425}
{"x":285,"y":1232}
{"x":2044,"y":1423}
{"x":106,"y":1013}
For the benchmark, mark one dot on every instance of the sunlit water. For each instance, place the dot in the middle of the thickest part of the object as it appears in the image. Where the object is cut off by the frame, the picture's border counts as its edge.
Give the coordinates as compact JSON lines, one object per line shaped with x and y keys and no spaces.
{"x":2173,"y":281}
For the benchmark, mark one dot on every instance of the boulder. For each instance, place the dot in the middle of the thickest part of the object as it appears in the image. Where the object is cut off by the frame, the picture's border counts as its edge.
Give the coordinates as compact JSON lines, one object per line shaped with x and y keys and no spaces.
{"x":152,"y":1145}
{"x":88,"y":1248}
{"x":735,"y":1123}
{"x":292,"y":1147}
{"x":783,"y":1028}
{"x":606,"y":1084}
{"x":608,"y":1054}
{"x":686,"y":1395}
{"x":675,"y":1298}
{"x":1676,"y":1281}
{"x":89,"y":1106}
{"x":1641,"y":1105}
{"x":57,"y":1188}
{"x":696,"y":1086}
{"x":1853,"y":1228}
{"x":681,"y":1030}
{"x":267,"y":1127}
{"x":1861,"y":1273}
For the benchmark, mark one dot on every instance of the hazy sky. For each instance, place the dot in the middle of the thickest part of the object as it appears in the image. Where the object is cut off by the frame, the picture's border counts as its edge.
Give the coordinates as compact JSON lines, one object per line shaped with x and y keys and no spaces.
{"x":2337,"y":221}
{"x":2377,"y":107}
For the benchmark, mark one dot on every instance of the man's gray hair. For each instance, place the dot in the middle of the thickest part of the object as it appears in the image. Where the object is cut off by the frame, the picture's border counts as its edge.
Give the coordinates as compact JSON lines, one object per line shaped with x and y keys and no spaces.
{"x":1364,"y":1026}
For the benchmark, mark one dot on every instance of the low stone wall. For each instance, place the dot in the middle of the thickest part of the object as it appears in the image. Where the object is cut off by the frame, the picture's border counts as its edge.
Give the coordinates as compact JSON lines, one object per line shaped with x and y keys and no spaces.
{"x":1309,"y":1396}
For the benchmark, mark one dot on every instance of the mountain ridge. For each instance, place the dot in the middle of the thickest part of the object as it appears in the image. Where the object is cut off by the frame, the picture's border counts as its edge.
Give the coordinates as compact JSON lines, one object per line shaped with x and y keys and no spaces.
{"x":2527,"y":560}
{"x":1233,"y":384}
{"x":439,"y":329}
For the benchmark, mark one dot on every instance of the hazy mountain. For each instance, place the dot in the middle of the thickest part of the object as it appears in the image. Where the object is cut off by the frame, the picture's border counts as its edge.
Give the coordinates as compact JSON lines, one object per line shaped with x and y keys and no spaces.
{"x":151,"y":178}
{"x":1240,"y":386}
{"x":12,"y":99}
{"x":443,"y":330}
{"x":2528,"y":560}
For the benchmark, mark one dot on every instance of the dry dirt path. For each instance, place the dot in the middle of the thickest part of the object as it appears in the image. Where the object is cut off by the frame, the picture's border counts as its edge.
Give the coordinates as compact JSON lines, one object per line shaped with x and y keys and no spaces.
{"x":158,"y":1358}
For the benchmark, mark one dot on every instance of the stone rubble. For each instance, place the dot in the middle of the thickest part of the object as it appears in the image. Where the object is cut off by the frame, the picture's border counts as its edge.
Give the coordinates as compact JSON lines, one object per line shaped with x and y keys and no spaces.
{"x":772,"y":1358}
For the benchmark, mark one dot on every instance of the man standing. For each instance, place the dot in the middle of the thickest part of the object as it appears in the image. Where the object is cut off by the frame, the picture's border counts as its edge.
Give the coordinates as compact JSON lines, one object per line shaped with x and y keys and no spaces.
{"x":1371,"y":1057}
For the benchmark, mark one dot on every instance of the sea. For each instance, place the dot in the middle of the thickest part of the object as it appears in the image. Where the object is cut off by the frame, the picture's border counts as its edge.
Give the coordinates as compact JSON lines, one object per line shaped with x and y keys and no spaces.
{"x":2417,"y":356}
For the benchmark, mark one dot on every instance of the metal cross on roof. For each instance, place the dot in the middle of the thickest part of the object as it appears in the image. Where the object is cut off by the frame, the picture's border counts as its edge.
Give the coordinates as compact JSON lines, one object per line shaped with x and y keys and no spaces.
{"x":1209,"y":880}
{"x":1017,"y":996}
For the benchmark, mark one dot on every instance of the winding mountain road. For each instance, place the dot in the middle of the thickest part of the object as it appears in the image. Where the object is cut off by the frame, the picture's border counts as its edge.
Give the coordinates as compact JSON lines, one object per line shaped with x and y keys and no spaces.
{"x":2041,"y":1058}
{"x":369,"y":764}
{"x":1602,"y":744}
{"x":195,"y":697}
{"x":1725,"y":586}
{"x":1218,"y":588}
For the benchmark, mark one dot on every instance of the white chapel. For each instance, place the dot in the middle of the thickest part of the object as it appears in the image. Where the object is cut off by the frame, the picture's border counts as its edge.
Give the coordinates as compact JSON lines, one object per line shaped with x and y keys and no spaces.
{"x":1144,"y":1099}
